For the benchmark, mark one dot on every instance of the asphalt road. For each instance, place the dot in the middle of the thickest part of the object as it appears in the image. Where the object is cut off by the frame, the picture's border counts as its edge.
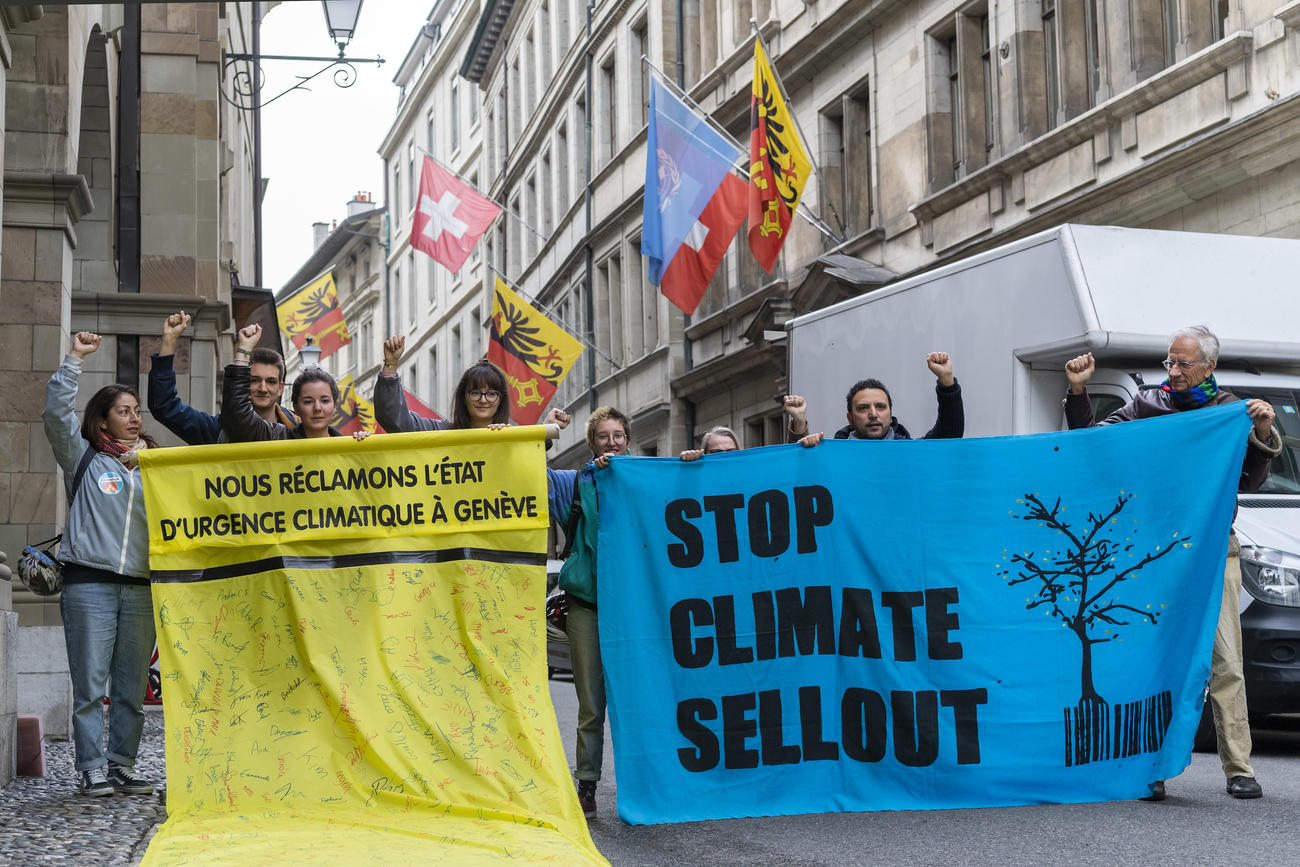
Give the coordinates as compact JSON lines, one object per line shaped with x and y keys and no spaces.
{"x":1198,"y":824}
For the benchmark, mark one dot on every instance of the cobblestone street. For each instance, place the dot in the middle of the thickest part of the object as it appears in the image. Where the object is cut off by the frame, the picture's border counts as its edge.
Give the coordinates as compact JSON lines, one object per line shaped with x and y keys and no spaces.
{"x":46,"y":821}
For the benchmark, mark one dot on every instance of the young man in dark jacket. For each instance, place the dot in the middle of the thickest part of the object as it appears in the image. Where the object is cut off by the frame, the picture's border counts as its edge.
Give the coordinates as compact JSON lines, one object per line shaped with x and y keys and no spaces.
{"x":870,"y":410}
{"x":1193,"y":353}
{"x":195,"y":427}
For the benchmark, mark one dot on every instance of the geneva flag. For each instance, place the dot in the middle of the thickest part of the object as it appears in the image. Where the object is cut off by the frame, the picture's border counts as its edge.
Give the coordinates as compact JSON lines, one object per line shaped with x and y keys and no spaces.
{"x":314,"y":311}
{"x":994,"y":621}
{"x":450,"y":216}
{"x":686,"y":161}
{"x":778,"y":165}
{"x":353,"y":412}
{"x":534,"y":352}
{"x":353,"y":653}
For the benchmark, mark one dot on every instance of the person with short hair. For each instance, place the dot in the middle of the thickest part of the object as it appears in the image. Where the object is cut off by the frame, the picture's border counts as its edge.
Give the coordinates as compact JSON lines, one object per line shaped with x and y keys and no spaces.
{"x":716,"y":440}
{"x":315,"y":398}
{"x":871,"y":410}
{"x":1191,"y":359}
{"x":198,"y":428}
{"x":105,"y":602}
{"x":573,"y":503}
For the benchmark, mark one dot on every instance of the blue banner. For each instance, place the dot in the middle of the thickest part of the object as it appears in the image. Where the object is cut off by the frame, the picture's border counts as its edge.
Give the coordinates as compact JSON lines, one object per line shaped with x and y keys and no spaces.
{"x":916,"y":624}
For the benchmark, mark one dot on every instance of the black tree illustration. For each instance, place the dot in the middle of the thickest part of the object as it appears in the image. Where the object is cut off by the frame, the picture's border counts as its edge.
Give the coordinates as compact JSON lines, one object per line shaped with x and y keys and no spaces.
{"x":1080,"y":584}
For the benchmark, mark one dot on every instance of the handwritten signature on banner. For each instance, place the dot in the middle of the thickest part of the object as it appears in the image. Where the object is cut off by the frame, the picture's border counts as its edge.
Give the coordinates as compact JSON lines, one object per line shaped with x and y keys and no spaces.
{"x":328,"y":712}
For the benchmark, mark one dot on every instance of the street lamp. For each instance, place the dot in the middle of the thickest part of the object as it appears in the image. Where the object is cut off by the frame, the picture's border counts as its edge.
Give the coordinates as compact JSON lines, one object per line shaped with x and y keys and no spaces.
{"x":341,"y":20}
{"x":310,"y":352}
{"x":246,"y":76}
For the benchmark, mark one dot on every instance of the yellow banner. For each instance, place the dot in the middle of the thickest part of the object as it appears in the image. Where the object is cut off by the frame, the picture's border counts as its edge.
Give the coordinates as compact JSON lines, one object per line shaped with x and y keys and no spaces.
{"x":781,"y":153}
{"x":353,"y":653}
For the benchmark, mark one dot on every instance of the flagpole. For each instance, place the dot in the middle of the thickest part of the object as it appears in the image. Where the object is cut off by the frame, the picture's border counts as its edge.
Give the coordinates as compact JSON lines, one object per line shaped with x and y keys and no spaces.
{"x":816,"y":222}
{"x":504,"y":210}
{"x":821,"y":179}
{"x":553,"y":316}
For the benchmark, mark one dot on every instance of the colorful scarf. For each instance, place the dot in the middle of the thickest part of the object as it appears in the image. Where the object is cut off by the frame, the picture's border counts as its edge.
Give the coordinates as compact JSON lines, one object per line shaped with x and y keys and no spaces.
{"x":1196,"y":396}
{"x":127,"y":454}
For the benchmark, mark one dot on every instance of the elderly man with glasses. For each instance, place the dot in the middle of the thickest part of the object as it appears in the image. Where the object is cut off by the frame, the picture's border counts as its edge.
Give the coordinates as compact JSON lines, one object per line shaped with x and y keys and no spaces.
{"x":1193,"y":354}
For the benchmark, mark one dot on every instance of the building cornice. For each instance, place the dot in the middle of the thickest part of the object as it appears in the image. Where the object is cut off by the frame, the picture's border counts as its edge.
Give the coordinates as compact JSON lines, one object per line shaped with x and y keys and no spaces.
{"x":138,"y":312}
{"x":487,"y":35}
{"x":17,"y":15}
{"x":45,"y":200}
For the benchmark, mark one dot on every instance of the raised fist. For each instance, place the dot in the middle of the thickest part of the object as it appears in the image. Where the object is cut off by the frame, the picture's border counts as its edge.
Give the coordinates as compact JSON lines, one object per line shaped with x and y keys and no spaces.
{"x":1078,"y":371}
{"x":173,"y":328}
{"x":797,"y":408}
{"x":393,"y":348}
{"x":248,"y":337}
{"x":940,"y":365}
{"x":84,"y":343}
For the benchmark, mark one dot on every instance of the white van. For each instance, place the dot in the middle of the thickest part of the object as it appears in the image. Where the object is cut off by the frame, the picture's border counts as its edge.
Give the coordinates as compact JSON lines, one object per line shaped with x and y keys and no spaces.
{"x":1012,"y":317}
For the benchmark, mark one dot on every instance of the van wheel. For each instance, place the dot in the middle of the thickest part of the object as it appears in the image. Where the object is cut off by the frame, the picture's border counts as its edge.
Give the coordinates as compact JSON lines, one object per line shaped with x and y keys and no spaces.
{"x":1205,"y":740}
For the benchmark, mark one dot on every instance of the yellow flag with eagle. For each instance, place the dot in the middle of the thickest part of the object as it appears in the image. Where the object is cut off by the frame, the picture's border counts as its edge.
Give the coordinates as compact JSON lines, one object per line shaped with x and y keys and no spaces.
{"x":314,"y":311}
{"x":779,"y":167}
{"x":534,"y":352}
{"x":353,"y":412}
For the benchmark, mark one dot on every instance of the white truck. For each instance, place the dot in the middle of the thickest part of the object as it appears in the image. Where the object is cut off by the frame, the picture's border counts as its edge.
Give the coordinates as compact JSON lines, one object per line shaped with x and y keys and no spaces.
{"x":1012,"y":317}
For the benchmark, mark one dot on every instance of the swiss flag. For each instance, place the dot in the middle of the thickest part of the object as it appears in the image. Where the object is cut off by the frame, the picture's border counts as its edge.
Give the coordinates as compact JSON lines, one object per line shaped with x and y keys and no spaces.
{"x":450,"y":216}
{"x":692,"y":267}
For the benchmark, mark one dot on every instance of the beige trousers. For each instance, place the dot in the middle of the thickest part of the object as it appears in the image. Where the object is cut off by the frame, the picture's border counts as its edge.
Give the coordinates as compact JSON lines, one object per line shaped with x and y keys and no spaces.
{"x":1227,"y":685}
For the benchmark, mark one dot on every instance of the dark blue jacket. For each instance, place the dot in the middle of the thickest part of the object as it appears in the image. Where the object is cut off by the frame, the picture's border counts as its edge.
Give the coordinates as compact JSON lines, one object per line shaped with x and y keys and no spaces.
{"x":195,"y":427}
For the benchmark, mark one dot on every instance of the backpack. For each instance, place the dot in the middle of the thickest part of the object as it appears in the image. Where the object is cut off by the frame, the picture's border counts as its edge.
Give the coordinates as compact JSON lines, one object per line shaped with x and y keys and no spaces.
{"x":39,"y":568}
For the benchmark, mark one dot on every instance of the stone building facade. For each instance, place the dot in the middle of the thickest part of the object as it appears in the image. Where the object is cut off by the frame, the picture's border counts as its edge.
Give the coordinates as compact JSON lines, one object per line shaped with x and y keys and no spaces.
{"x":127,"y":195}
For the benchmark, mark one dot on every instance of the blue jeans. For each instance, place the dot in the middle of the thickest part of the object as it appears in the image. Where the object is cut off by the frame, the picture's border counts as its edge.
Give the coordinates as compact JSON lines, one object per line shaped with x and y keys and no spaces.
{"x":109,"y":631}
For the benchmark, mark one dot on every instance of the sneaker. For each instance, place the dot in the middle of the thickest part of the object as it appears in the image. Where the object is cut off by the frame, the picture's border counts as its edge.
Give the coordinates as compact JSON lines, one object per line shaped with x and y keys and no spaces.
{"x":587,"y":797}
{"x":1244,"y":787}
{"x":94,"y":782}
{"x":124,"y":784}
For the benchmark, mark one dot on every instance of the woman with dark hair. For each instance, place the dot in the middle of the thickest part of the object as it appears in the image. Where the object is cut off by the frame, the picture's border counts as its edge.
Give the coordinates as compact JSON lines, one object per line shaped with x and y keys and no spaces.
{"x":315,"y":396}
{"x":105,"y":603}
{"x":482,"y":398}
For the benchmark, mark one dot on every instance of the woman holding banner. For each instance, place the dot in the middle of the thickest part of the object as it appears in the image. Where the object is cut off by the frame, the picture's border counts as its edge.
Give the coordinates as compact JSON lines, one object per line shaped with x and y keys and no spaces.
{"x":315,"y":398}
{"x":105,"y":602}
{"x":715,"y":441}
{"x":573,"y":502}
{"x":482,"y":398}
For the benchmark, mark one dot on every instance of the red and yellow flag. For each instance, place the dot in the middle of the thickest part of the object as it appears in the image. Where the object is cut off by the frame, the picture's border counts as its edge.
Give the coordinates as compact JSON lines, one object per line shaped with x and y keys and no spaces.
{"x":779,"y":167}
{"x":314,"y":310}
{"x":353,"y":412}
{"x":534,"y":352}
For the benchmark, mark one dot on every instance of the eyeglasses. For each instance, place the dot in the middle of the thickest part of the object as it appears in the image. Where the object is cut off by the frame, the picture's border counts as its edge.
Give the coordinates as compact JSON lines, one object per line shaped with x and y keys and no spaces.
{"x":1182,"y":365}
{"x":489,"y":396}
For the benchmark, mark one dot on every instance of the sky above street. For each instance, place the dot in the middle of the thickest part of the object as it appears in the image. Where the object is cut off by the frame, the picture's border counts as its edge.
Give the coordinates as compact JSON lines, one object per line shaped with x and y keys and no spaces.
{"x":320,"y":147}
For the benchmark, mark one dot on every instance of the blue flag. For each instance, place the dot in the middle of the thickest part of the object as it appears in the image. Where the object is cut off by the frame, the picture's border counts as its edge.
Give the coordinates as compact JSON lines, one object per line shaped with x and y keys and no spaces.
{"x":685,"y":163}
{"x":913,"y":624}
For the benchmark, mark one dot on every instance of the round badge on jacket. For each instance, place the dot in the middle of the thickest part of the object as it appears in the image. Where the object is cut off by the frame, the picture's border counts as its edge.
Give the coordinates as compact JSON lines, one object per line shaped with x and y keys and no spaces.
{"x":110,"y":482}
